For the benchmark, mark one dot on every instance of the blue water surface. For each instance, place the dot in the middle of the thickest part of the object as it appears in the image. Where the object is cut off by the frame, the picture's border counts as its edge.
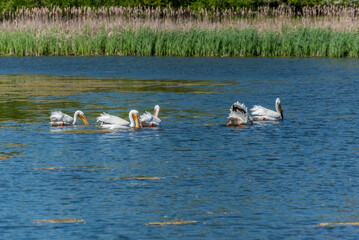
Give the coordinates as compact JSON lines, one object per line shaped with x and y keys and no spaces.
{"x":267,"y":181}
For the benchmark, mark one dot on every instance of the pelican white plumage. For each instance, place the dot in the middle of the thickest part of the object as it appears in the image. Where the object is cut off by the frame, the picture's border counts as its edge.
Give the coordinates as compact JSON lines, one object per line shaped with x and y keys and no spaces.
{"x":151,"y":120}
{"x":59,"y":118}
{"x":110,"y":121}
{"x":264,"y":114}
{"x":239,"y":115}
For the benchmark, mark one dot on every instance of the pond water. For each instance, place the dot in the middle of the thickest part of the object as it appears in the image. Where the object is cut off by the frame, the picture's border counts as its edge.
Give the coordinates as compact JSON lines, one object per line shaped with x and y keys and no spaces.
{"x":193,"y":177}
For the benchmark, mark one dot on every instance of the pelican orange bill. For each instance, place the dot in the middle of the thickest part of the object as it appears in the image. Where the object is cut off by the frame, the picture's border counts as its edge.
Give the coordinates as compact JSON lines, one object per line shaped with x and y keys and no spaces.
{"x":137,"y":120}
{"x":83,"y":118}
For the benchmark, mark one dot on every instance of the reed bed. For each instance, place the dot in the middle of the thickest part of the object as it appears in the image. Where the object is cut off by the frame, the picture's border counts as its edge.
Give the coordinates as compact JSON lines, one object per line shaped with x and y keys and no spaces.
{"x":121,"y":31}
{"x":264,"y":18}
{"x":301,"y":42}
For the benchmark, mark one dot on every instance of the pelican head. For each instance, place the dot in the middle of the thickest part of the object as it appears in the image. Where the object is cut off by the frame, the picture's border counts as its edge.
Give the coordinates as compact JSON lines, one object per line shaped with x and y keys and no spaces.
{"x":156,"y":110}
{"x":278,"y":107}
{"x":134,"y":117}
{"x":81,"y":115}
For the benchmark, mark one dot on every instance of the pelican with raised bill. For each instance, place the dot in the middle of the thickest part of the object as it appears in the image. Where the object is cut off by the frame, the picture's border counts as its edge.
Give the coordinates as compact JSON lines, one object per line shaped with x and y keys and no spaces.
{"x":151,"y":120}
{"x":264,"y":114}
{"x":239,"y":115}
{"x":113,"y":122}
{"x":58,"y":118}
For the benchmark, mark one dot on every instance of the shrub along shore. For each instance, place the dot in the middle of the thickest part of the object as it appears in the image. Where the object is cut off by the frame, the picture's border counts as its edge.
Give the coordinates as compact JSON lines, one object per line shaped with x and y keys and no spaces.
{"x":161,"y":32}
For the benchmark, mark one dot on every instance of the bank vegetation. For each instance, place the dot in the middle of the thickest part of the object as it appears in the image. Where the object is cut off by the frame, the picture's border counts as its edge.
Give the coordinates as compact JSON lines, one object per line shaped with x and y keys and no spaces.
{"x":319,"y":31}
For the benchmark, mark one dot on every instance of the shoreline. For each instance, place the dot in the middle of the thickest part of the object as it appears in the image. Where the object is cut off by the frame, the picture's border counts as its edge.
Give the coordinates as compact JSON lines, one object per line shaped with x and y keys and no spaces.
{"x":121,"y":32}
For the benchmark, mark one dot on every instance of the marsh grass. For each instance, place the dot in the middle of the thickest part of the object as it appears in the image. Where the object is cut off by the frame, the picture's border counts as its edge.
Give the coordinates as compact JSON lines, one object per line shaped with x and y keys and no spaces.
{"x":122,"y":31}
{"x":229,"y":42}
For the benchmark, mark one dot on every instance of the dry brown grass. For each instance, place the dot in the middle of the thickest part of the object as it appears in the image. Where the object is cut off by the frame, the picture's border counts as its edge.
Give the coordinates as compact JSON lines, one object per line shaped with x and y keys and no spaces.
{"x":73,"y":19}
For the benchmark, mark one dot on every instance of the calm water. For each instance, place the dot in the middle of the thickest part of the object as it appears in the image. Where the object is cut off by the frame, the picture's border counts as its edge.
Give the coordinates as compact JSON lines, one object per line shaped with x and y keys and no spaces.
{"x":266,"y":181}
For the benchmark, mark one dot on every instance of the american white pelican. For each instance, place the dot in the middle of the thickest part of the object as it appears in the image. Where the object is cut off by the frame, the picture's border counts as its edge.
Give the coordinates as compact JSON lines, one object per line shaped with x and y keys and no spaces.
{"x":59,"y":118}
{"x":239,"y":115}
{"x":151,"y":120}
{"x":264,"y":114}
{"x":110,"y":121}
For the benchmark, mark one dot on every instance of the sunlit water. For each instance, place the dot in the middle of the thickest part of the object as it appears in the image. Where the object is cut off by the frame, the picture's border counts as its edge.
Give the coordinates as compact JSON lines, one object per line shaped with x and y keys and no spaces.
{"x":193,"y":175}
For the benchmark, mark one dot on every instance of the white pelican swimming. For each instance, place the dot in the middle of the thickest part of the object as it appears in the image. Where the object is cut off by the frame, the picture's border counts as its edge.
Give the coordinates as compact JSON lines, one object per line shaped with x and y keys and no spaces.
{"x":239,"y":115}
{"x":59,"y":118}
{"x":151,"y":120}
{"x":264,"y":114}
{"x":110,"y":121}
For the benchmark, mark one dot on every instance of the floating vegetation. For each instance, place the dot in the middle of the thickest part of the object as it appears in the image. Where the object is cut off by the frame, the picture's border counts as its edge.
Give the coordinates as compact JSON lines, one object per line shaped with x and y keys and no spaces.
{"x":60,"y":220}
{"x":53,"y":168}
{"x":139,"y":178}
{"x":6,"y":127}
{"x":3,"y":157}
{"x":33,"y":85}
{"x":87,"y":168}
{"x":8,"y":156}
{"x":13,"y":145}
{"x":98,"y":169}
{"x":25,"y":91}
{"x":333,"y":224}
{"x":176,"y":222}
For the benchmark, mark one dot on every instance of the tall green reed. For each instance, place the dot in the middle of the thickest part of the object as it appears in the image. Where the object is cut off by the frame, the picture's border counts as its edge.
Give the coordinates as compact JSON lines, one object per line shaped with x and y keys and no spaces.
{"x":231,"y":42}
